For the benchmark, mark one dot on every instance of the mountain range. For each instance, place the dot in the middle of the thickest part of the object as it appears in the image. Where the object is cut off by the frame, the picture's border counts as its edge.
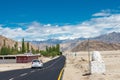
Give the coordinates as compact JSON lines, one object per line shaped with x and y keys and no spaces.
{"x":94,"y":45}
{"x":109,"y":41}
{"x":113,"y":37}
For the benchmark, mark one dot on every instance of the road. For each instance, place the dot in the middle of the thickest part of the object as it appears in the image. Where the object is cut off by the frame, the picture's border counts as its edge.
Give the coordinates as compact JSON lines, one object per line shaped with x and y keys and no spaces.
{"x":50,"y":71}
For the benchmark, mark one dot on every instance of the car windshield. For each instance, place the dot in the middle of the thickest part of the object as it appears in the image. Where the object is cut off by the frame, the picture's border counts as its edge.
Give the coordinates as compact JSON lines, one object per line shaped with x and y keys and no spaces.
{"x":36,"y":61}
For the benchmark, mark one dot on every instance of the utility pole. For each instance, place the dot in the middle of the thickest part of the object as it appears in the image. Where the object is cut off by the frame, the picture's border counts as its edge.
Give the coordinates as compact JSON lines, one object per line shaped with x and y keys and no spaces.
{"x":89,"y":65}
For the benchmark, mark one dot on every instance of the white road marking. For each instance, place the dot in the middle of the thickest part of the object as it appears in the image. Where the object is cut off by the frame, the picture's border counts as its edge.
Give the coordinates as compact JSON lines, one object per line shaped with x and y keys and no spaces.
{"x":32,"y":71}
{"x":23,"y":74}
{"x":37,"y":70}
{"x":11,"y":78}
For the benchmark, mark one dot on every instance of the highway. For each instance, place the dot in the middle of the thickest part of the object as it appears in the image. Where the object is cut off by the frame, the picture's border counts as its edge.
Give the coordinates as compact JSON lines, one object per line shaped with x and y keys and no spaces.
{"x":51,"y":71}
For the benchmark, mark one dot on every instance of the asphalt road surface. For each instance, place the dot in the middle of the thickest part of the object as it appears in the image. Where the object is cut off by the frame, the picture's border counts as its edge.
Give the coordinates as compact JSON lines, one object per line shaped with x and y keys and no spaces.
{"x":50,"y":71}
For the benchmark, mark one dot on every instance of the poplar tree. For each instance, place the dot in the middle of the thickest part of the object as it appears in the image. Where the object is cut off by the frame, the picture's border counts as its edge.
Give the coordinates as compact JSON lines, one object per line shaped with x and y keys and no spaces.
{"x":4,"y":48}
{"x":16,"y":46}
{"x":28,"y":47}
{"x":58,"y":48}
{"x":23,"y":46}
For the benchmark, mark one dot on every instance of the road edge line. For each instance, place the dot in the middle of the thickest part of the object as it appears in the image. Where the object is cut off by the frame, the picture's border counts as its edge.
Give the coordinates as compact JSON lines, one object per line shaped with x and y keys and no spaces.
{"x":60,"y":75}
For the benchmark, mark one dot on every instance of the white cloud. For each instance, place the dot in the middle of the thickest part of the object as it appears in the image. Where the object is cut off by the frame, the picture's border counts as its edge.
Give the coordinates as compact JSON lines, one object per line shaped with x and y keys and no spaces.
{"x":89,"y":28}
{"x":101,"y":14}
{"x":106,"y":13}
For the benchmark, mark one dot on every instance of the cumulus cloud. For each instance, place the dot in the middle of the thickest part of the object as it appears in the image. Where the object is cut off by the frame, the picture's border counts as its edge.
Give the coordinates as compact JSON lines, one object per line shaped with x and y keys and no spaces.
{"x":95,"y":26}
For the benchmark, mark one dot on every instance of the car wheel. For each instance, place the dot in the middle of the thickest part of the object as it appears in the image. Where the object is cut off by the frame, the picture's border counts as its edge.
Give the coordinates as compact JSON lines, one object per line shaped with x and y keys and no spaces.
{"x":32,"y":67}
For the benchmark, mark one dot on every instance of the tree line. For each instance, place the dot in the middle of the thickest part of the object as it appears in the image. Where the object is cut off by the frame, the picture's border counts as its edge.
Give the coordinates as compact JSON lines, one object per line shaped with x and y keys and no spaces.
{"x":7,"y":50}
{"x":49,"y":51}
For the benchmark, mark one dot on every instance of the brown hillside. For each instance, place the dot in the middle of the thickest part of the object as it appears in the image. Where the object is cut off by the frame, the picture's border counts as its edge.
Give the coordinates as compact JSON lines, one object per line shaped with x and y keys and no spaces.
{"x":95,"y":45}
{"x":11,"y":43}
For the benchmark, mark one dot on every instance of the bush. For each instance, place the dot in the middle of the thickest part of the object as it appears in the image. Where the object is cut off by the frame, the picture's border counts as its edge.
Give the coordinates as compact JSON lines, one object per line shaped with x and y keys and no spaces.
{"x":51,"y":51}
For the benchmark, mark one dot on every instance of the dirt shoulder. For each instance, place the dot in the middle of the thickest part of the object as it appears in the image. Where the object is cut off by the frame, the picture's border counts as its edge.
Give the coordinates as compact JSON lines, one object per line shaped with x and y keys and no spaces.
{"x":77,"y":66}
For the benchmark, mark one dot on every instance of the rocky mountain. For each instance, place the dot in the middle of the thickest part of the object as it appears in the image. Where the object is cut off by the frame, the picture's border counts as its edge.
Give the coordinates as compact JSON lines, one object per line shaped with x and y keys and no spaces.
{"x":55,"y":41}
{"x":11,"y":43}
{"x":109,"y":41}
{"x":104,"y":42}
{"x":113,"y":37}
{"x":96,"y":45}
{"x":65,"y":44}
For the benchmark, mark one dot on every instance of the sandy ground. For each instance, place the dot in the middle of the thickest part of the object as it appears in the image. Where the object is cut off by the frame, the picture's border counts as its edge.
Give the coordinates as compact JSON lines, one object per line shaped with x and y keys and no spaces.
{"x":13,"y":66}
{"x":76,"y":67}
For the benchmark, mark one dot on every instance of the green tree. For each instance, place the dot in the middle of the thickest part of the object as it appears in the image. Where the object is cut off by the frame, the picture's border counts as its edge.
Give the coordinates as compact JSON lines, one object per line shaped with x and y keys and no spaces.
{"x":50,"y":49}
{"x":4,"y":43}
{"x":28,"y":50}
{"x":4,"y":48}
{"x":9,"y":50}
{"x":44,"y":53}
{"x":12,"y":50}
{"x":47,"y":50}
{"x":37,"y":51}
{"x":33,"y":51}
{"x":53,"y":48}
{"x":23,"y":46}
{"x":16,"y":47}
{"x":58,"y":49}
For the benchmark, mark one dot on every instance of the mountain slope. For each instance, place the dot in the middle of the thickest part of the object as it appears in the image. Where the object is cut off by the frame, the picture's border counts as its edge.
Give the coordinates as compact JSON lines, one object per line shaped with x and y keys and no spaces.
{"x":11,"y":43}
{"x":67,"y":45}
{"x":113,"y":37}
{"x":96,"y":45}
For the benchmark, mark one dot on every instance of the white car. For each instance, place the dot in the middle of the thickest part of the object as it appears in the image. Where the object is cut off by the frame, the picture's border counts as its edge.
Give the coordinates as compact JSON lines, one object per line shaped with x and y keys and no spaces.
{"x":37,"y":63}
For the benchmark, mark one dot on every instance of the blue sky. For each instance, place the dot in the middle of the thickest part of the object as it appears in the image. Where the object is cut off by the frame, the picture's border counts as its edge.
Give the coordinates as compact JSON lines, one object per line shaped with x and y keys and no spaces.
{"x":58,"y":19}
